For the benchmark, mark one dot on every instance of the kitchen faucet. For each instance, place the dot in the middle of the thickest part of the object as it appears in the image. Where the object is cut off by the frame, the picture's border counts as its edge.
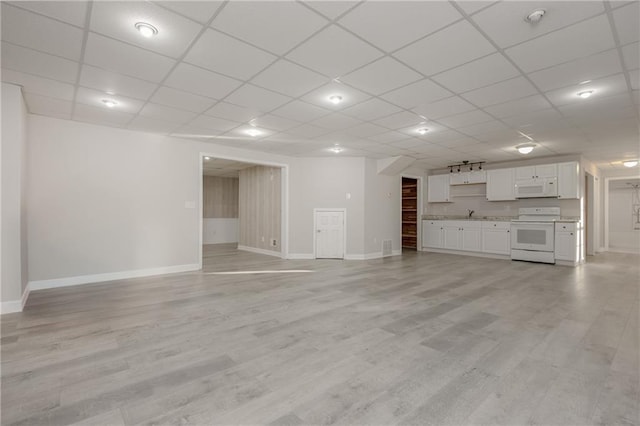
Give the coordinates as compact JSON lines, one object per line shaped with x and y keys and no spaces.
{"x":470,"y":213}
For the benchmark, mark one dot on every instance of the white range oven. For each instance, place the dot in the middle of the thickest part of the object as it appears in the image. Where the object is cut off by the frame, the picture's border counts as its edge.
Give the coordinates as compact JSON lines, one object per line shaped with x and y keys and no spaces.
{"x":532,"y":234}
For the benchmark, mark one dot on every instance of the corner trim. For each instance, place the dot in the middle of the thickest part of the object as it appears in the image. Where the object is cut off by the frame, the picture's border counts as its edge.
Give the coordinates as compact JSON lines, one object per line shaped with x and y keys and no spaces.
{"x":25,"y":295}
{"x":260,"y":251}
{"x":10,"y":307}
{"x":110,"y":276}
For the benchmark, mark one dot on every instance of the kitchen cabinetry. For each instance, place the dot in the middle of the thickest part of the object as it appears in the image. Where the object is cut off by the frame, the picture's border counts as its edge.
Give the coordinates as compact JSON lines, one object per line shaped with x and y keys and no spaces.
{"x":451,"y":235}
{"x":500,"y":185}
{"x":568,"y":187}
{"x":567,"y":244}
{"x":431,"y":234}
{"x":467,"y":178}
{"x":536,"y":172}
{"x":471,"y":236}
{"x":438,"y":189}
{"x":461,"y":235}
{"x":496,"y":237}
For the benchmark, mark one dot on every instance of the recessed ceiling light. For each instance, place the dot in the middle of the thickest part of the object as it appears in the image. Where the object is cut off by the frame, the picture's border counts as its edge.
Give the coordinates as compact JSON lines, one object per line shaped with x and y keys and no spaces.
{"x":335,"y":99}
{"x":526,"y":148}
{"x":146,"y":30}
{"x":585,"y":82}
{"x":253,"y":132}
{"x":585,"y":94}
{"x":109,"y":103}
{"x":207,"y":158}
{"x":336,"y":149}
{"x":535,"y":16}
{"x":630,"y":163}
{"x":423,"y":130}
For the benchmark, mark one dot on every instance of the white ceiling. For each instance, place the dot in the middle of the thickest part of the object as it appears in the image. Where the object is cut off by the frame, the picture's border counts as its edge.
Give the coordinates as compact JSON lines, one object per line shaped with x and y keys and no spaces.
{"x":473,"y":72}
{"x":223,"y":168}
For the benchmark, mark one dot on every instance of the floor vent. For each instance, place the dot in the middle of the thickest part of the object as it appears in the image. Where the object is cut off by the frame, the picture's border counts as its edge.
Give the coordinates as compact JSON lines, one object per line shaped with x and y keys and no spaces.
{"x":386,"y":248}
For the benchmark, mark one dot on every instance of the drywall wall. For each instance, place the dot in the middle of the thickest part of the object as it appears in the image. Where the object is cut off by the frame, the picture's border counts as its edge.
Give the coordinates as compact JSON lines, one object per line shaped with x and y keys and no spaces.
{"x":13,"y":251}
{"x":260,"y":208}
{"x":624,"y":230}
{"x":382,"y":210}
{"x":219,"y":210}
{"x":326,"y":183}
{"x":104,"y":200}
{"x":220,"y":231}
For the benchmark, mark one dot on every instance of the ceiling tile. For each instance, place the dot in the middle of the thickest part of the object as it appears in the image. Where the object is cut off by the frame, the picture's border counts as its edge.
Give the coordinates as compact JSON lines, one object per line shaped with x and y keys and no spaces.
{"x":388,"y":137}
{"x":630,"y":53}
{"x":255,"y":97}
{"x":473,"y":6}
{"x":117,"y":19}
{"x":371,"y":109}
{"x":577,"y":41}
{"x":381,"y":76}
{"x":276,"y":26}
{"x":399,"y":22}
{"x":308,"y":131}
{"x":399,"y":120}
{"x":532,"y":121}
{"x":289,"y":78}
{"x":465,"y":119}
{"x":601,"y":88}
{"x":71,"y":12}
{"x":162,"y":112}
{"x":221,"y":53}
{"x":334,"y":52}
{"x":331,"y":8}
{"x":336,"y":121}
{"x":422,"y":92}
{"x":441,"y":136}
{"x":635,"y":79}
{"x":126,"y":59}
{"x":43,"y":34}
{"x":504,"y":22}
{"x":481,"y":72}
{"x":483,"y":128}
{"x":196,"y":133}
{"x":39,"y":85}
{"x":365,"y":130}
{"x":242,"y":133}
{"x":232,"y":112}
{"x":29,"y":61}
{"x":107,"y":81}
{"x":627,"y":22}
{"x":519,"y":106}
{"x":434,"y":53}
{"x":408,"y":143}
{"x":497,"y":93}
{"x":183,"y":100}
{"x":101,"y":115}
{"x":95,"y":98}
{"x":273,"y":122}
{"x":213,"y":123}
{"x":200,"y":11}
{"x":444,"y":108}
{"x":320,"y":96}
{"x":300,"y":111}
{"x":51,"y":107}
{"x":201,"y":82}
{"x":146,"y":124}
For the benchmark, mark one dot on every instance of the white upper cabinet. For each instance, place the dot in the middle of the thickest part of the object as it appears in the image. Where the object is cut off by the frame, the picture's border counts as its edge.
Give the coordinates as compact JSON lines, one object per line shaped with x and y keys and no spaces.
{"x":568,"y":187}
{"x":467,"y":178}
{"x":535,"y":172}
{"x":500,"y":185}
{"x":438,"y":189}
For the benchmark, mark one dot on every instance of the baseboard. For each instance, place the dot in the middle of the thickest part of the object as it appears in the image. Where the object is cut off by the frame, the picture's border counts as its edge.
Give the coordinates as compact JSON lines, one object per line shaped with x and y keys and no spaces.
{"x":623,"y":250}
{"x":260,"y":251}
{"x":300,"y":256}
{"x":110,"y":276}
{"x":10,"y":307}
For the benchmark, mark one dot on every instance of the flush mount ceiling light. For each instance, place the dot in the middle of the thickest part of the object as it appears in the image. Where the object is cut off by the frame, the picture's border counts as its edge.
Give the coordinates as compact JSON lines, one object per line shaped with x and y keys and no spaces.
{"x":336,"y":149}
{"x":253,"y":132}
{"x":630,"y":163}
{"x":146,"y":30}
{"x":585,"y":82}
{"x":422,"y":130}
{"x":526,"y":148}
{"x":335,"y":99}
{"x":585,"y":94}
{"x":535,"y":16}
{"x":207,"y":158}
{"x":109,"y":103}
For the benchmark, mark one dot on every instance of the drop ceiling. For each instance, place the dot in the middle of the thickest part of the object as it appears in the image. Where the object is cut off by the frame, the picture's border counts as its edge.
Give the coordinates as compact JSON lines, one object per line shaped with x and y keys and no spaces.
{"x":223,"y":168}
{"x":474,"y":73}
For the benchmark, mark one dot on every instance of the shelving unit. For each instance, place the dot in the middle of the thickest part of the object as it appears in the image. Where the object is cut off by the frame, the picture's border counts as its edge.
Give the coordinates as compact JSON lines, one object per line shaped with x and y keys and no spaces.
{"x":409,"y":213}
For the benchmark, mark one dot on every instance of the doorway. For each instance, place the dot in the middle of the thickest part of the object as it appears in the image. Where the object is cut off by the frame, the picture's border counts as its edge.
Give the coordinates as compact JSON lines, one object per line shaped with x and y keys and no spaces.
{"x":409,"y":213}
{"x":329,"y":233}
{"x":589,"y":215}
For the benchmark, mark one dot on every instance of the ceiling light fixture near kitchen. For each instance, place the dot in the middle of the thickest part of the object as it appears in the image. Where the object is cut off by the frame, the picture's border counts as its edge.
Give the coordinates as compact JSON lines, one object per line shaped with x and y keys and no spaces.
{"x":422,"y":130}
{"x":109,"y":103}
{"x":630,"y":163}
{"x":207,"y":158}
{"x":526,"y":148}
{"x":336,"y":149}
{"x":585,"y":94}
{"x":535,"y":16}
{"x":146,"y":30}
{"x":253,"y":132}
{"x":335,"y":99}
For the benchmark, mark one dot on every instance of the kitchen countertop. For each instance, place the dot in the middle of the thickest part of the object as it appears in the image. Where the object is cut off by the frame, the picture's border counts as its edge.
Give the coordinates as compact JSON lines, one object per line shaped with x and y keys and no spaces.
{"x":564,"y":219}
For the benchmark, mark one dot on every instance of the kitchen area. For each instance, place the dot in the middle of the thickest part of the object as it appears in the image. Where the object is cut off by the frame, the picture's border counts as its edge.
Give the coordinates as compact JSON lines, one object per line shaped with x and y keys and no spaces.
{"x":529,"y":212}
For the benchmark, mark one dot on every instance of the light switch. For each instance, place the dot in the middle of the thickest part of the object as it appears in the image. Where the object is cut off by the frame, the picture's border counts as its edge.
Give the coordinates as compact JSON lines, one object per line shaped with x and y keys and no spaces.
{"x":189,"y":204}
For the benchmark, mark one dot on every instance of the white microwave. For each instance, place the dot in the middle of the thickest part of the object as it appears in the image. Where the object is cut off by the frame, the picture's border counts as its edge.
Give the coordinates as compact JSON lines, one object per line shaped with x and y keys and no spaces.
{"x":537,"y":188}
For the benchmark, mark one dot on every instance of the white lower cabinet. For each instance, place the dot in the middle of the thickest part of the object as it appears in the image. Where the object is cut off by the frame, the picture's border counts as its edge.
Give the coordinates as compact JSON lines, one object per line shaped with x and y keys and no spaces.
{"x":496,"y":237}
{"x":451,"y":238}
{"x":567,"y":244}
{"x":471,"y":236}
{"x":432,"y":233}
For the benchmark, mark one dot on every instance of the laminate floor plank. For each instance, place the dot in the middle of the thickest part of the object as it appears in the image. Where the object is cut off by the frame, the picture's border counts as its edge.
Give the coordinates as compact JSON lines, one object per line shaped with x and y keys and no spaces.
{"x":422,"y":338}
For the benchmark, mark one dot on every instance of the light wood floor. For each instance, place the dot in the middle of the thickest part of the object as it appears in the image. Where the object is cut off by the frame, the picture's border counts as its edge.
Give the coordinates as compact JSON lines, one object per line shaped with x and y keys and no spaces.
{"x":421,"y":338}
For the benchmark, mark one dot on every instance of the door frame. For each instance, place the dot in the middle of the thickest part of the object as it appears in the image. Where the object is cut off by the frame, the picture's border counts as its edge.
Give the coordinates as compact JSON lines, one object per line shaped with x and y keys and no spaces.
{"x":420,"y":180}
{"x":606,"y":205}
{"x":344,"y":228}
{"x":284,"y":199}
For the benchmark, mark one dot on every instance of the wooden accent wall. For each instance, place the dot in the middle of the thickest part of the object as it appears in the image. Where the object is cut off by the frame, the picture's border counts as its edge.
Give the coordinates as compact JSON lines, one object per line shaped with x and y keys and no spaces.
{"x":409,"y":213}
{"x":219,"y":197}
{"x":260,"y":207}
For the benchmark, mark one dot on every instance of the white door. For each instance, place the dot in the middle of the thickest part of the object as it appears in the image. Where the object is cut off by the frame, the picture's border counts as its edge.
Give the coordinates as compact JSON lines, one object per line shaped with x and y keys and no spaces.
{"x":329,"y":235}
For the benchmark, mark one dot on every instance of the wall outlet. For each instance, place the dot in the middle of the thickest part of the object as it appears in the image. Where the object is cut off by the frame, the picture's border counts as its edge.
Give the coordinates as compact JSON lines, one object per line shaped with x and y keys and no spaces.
{"x":274,"y":243}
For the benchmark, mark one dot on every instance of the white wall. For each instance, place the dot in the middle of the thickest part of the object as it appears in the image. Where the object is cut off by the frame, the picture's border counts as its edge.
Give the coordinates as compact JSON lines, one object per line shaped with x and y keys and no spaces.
{"x":13,"y":227}
{"x":219,"y":230}
{"x":383,"y":217}
{"x":622,"y":233}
